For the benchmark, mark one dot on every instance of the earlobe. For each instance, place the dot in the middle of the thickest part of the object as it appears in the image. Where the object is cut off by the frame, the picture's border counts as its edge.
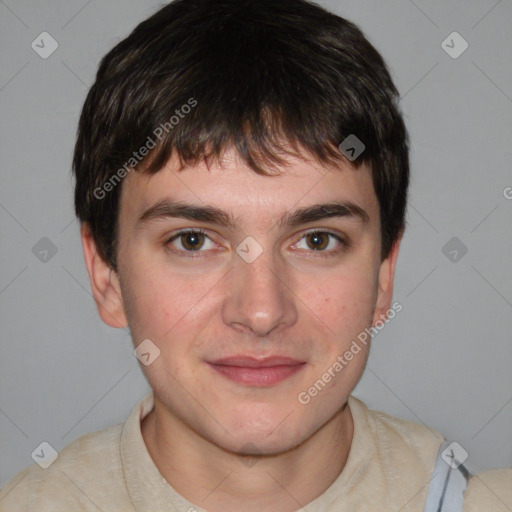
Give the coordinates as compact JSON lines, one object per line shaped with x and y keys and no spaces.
{"x":104,"y":282}
{"x":385,"y":285}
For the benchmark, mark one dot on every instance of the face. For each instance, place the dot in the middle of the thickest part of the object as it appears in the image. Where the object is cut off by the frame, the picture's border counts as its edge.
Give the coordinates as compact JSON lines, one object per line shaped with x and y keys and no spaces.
{"x":250,"y":292}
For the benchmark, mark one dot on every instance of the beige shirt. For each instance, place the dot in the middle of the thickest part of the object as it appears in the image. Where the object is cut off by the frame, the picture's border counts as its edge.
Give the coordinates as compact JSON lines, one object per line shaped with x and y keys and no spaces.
{"x":388,"y":469}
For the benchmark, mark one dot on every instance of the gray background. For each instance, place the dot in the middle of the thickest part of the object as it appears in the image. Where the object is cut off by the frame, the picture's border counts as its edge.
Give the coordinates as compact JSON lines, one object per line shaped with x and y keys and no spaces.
{"x":445,"y":360}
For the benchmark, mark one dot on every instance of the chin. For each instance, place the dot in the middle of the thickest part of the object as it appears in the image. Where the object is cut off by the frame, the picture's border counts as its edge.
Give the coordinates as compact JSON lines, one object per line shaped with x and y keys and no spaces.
{"x":254,"y":445}
{"x":270,"y":435}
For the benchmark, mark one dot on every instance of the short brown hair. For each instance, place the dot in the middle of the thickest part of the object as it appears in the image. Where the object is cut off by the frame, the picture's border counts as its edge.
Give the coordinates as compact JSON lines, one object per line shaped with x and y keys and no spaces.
{"x":264,"y":74}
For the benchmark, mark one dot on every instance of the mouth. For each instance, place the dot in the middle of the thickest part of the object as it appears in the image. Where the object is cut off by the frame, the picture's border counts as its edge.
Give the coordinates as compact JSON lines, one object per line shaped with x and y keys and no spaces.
{"x":256,"y":372}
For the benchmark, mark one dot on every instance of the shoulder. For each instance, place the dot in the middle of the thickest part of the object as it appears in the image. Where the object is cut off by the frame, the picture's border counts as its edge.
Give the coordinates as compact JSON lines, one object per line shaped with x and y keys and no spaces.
{"x":407,"y":451}
{"x":404,"y":442}
{"x":88,"y":468}
{"x":392,"y":458}
{"x":491,"y":490}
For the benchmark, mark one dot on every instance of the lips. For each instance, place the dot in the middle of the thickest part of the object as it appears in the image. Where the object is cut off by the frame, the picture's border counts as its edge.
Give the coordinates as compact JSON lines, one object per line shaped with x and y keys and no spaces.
{"x":259,"y":372}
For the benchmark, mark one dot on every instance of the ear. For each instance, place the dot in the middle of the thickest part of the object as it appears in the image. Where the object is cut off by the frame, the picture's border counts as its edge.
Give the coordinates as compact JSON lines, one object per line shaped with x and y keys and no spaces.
{"x":386,"y":279}
{"x":104,"y":282}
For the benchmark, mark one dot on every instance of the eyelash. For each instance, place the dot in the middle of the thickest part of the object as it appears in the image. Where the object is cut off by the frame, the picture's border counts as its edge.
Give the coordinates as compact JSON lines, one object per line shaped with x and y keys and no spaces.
{"x":197,"y":254}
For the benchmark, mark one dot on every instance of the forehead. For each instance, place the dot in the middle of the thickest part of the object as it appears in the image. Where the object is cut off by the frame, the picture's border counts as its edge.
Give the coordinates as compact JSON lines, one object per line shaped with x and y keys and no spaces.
{"x":236,"y":188}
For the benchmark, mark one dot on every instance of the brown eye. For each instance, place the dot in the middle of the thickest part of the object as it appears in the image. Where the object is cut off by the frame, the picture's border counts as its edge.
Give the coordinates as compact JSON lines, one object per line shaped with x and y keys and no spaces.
{"x":192,"y":241}
{"x":324,"y":243}
{"x":318,"y":241}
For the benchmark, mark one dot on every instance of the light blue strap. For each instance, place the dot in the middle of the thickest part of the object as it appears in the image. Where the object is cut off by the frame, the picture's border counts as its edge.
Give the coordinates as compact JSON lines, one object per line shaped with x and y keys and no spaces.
{"x":448,"y":483}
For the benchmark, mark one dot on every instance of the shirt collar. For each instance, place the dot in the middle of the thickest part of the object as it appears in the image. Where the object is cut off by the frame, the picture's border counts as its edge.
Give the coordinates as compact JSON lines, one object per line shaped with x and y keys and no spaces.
{"x":150,"y":491}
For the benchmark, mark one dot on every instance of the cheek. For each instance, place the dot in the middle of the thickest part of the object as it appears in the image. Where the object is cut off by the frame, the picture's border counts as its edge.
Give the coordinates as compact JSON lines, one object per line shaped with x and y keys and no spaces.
{"x":162,"y":304}
{"x":165,"y":306}
{"x":343,"y":301}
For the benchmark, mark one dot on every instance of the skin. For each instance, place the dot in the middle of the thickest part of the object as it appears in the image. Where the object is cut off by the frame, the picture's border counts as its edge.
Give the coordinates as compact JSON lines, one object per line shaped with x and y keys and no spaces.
{"x":221,"y":444}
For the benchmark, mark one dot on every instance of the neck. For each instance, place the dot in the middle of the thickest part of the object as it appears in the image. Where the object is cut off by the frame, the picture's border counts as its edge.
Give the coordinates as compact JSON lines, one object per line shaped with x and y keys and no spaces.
{"x":221,"y":481}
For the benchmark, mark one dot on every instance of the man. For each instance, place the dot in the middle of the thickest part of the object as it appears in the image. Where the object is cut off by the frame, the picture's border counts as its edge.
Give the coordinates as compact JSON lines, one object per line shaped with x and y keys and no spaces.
{"x":241,"y":179}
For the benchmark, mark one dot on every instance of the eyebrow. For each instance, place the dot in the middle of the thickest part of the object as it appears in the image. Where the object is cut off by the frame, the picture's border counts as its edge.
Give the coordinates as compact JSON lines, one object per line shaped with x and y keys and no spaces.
{"x":170,"y":209}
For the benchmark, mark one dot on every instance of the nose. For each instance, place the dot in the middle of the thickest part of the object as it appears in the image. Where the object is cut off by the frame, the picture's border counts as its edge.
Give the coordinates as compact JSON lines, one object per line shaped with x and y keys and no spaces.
{"x":259,"y":297}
